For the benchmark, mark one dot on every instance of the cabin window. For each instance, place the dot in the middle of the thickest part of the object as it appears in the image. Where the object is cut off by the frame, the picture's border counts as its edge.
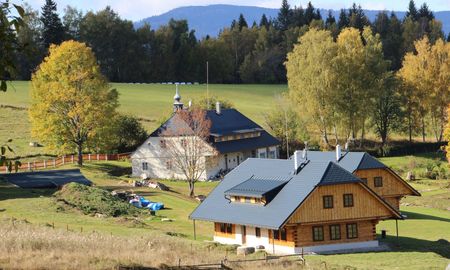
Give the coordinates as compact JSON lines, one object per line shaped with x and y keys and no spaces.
{"x":229,"y":228}
{"x":328,"y":201}
{"x":348,"y":200}
{"x":378,"y":181}
{"x":335,"y":232}
{"x":364,"y":180}
{"x":226,"y":228}
{"x":162,"y":144}
{"x":317,"y":233}
{"x":352,"y":231}
{"x":280,"y":235}
{"x":258,"y":232}
{"x":271,"y":154}
{"x":144,"y":166}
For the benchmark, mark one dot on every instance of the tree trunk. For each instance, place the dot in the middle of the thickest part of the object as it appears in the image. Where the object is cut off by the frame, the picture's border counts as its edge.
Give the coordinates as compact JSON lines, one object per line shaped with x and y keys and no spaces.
{"x":80,"y":154}
{"x":423,"y":129}
{"x":362,"y":134}
{"x":410,"y":128}
{"x":191,"y":188}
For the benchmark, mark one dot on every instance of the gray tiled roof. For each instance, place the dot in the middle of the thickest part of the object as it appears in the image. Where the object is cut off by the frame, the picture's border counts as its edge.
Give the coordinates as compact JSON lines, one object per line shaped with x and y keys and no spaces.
{"x":351,"y":161}
{"x":274,"y":214}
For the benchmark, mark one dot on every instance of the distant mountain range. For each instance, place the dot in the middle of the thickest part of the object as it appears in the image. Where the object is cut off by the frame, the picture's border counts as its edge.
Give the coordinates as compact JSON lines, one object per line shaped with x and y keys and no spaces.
{"x":209,"y":20}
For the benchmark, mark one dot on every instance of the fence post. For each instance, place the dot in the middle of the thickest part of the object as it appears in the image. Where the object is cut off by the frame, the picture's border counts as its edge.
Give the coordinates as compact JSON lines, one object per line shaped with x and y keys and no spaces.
{"x":89,"y":157}
{"x":34,"y":165}
{"x":72,"y":159}
{"x":98,"y":157}
{"x":106,"y":157}
{"x":63,"y":161}
{"x":54,"y":163}
{"x":45,"y":163}
{"x":29,"y":166}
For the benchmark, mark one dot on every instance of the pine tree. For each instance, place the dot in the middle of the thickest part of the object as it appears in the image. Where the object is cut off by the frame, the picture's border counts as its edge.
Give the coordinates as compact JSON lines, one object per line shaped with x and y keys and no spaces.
{"x":343,"y":19}
{"x":309,"y":13}
{"x":448,"y":37}
{"x":53,"y":29}
{"x":233,"y":24}
{"x":264,"y":22}
{"x":425,"y":12}
{"x":284,"y":16}
{"x":242,"y":22}
{"x":412,"y":11}
{"x":298,"y":17}
{"x":330,"y":19}
{"x":357,"y":18}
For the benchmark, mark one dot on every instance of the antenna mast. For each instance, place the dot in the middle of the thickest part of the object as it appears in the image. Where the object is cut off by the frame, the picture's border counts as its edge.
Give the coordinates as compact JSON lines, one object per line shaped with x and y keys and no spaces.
{"x":207,"y":85}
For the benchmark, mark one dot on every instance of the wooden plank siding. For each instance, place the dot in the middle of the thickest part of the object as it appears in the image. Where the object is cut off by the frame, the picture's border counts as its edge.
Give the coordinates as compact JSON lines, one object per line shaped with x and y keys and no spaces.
{"x":365,"y":205}
{"x":366,"y":232}
{"x":392,"y":185}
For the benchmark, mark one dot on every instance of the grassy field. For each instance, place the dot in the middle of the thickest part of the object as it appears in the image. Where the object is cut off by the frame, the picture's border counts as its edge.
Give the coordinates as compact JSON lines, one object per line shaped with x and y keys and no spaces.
{"x":150,"y":102}
{"x":423,"y":243}
{"x":153,"y":101}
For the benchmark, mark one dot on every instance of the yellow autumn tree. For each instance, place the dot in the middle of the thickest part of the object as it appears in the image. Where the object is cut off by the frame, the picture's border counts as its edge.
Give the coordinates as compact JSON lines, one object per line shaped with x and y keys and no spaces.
{"x":427,"y":73}
{"x":71,"y":101}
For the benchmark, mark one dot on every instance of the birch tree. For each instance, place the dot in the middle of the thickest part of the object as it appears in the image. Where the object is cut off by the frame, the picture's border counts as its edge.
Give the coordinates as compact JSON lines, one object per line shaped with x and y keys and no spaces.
{"x":311,"y":80}
{"x":187,"y":144}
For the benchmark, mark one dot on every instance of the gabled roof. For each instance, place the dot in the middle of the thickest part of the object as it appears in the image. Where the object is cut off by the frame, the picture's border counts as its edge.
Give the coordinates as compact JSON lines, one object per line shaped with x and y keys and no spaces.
{"x":229,"y":122}
{"x":256,"y":187}
{"x":351,"y":161}
{"x":274,"y":214}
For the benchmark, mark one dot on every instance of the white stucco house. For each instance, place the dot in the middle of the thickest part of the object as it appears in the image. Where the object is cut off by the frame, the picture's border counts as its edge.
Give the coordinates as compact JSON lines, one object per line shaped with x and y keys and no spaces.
{"x":233,"y":136}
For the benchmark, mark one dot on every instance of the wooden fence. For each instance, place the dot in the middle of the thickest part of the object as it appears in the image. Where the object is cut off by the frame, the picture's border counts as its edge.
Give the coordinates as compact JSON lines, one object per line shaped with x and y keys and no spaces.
{"x":64,"y":160}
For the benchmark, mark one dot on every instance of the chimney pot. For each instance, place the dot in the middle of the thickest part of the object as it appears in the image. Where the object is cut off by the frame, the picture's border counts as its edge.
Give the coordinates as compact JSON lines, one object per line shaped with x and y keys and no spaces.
{"x":338,"y":152}
{"x":218,"y":108}
{"x":296,"y":161}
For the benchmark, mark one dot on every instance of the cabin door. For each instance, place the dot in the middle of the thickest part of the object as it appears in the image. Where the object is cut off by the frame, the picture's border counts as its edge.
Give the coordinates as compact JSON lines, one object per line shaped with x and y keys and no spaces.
{"x":244,"y":235}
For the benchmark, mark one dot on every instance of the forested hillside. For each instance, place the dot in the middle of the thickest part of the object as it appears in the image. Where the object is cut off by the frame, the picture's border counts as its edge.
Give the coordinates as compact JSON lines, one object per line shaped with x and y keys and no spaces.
{"x":242,"y":53}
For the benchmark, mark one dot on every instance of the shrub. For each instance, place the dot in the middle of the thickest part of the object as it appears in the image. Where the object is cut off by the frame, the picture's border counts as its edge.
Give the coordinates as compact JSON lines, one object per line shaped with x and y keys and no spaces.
{"x":92,"y":200}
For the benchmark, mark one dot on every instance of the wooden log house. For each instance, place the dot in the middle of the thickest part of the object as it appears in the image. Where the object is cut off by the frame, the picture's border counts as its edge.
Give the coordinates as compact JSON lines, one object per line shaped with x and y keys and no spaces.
{"x":297,"y":205}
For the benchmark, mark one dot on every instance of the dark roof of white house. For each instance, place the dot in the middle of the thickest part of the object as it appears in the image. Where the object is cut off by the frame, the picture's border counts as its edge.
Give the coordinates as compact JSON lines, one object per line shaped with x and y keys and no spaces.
{"x":273,"y":215}
{"x":230,"y":122}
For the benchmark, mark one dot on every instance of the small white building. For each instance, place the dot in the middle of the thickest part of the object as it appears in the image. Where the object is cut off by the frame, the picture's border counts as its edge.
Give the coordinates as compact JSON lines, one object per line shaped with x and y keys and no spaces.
{"x":233,"y":136}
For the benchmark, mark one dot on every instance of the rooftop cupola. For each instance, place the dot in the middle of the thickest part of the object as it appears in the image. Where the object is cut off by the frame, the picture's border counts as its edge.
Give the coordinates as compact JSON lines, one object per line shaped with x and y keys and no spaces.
{"x":177,"y":104}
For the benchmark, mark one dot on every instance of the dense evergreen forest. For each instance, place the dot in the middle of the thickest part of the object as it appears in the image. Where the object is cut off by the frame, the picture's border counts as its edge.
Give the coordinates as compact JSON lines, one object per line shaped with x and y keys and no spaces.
{"x":244,"y":52}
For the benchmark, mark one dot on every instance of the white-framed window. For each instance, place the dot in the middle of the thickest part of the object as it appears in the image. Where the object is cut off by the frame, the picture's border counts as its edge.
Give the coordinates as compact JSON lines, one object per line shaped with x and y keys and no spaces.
{"x":272,"y":154}
{"x":169,"y":164}
{"x":262,"y":155}
{"x":144,"y":166}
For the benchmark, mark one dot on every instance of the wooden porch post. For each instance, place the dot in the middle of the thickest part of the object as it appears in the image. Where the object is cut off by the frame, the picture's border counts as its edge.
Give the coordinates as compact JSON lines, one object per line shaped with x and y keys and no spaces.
{"x":195,"y":233}
{"x":396,"y":229}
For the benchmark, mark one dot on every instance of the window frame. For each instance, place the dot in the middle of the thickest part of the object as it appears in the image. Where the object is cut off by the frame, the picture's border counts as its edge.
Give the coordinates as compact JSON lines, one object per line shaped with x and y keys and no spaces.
{"x":325,"y":199}
{"x":229,"y":228}
{"x":353,"y":230}
{"x":169,"y":165}
{"x":333,"y":232}
{"x":145,"y":166}
{"x":320,"y":233}
{"x":162,"y":144}
{"x":345,"y":201}
{"x":376,"y":183}
{"x":257,"y":232}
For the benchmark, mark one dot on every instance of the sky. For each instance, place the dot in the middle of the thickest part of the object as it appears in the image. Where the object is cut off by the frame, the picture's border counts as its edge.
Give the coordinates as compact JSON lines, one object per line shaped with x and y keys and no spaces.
{"x":138,"y":9}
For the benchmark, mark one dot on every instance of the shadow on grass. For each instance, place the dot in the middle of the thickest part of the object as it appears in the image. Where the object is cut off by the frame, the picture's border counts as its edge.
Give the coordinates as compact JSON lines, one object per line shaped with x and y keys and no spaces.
{"x":413,"y":215}
{"x":440,"y":247}
{"x":9,"y":191}
{"x":111,"y":169}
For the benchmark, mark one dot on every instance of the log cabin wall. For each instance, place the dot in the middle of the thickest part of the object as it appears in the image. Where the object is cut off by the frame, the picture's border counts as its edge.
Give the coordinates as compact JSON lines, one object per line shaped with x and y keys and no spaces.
{"x":365,"y":205}
{"x":392,"y":186}
{"x":366,"y":232}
